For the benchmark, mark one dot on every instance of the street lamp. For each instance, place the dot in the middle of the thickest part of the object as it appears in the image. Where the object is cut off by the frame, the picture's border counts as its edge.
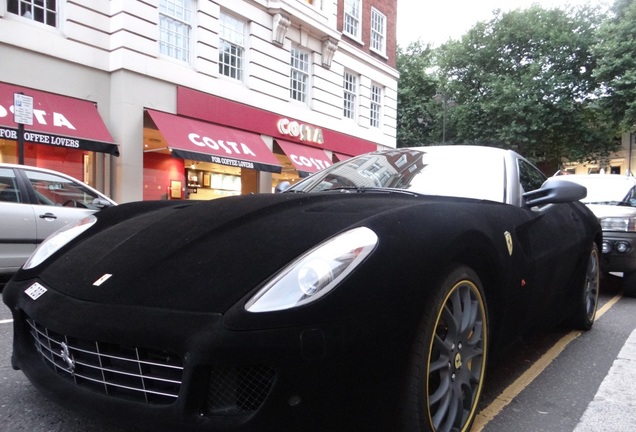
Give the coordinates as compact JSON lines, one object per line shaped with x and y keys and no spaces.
{"x":446,"y":101}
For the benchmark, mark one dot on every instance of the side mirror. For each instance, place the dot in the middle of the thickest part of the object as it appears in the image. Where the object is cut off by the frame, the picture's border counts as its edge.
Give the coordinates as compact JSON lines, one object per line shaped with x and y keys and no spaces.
{"x":555,"y":190}
{"x":101,"y":203}
{"x":282,"y":186}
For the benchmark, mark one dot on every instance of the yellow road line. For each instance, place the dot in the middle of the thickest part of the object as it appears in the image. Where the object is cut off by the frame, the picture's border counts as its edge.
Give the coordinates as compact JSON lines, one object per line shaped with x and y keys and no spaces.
{"x":513,"y":390}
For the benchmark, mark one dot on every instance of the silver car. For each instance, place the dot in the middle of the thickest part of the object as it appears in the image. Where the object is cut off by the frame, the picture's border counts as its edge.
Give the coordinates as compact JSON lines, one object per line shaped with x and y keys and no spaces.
{"x":612,"y":198}
{"x":34,"y":203}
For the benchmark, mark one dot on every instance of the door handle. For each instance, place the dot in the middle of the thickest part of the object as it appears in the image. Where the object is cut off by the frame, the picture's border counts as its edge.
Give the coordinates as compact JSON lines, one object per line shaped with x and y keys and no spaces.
{"x":47,"y":216}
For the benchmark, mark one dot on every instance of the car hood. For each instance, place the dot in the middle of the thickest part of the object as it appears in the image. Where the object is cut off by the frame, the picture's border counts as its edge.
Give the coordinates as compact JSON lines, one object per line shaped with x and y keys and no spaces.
{"x":603,"y":210}
{"x":209,"y":255}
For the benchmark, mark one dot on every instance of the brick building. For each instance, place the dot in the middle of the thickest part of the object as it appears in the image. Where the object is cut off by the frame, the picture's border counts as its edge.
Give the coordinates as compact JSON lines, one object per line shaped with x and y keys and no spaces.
{"x":197,"y":99}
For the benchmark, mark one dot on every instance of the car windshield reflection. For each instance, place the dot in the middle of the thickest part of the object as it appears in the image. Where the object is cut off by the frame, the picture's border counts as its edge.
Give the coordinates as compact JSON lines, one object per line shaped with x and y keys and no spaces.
{"x":429,"y":171}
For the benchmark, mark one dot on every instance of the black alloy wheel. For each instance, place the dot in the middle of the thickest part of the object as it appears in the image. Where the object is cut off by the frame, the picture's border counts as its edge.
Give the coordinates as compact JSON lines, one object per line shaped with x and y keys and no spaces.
{"x":449,"y":356}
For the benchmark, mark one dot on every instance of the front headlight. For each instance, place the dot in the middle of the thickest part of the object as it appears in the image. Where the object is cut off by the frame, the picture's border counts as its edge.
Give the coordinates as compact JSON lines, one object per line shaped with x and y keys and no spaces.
{"x":618,"y":224}
{"x":315,"y":273}
{"x":59,"y":238}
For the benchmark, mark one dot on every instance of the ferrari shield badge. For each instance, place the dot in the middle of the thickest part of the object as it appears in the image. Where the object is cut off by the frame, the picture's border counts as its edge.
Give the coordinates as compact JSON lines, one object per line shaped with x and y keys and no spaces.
{"x":508,"y":237}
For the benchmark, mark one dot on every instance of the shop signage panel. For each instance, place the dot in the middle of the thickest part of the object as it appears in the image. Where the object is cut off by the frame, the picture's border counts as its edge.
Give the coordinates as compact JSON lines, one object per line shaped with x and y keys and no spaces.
{"x":57,"y":120}
{"x":306,"y":160}
{"x":193,"y":139}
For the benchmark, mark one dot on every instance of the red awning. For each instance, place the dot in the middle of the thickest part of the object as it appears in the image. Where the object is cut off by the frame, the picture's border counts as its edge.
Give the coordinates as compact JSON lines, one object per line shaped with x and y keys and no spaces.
{"x":306,"y":160}
{"x":57,"y":120}
{"x":208,"y":142}
{"x":341,"y":157}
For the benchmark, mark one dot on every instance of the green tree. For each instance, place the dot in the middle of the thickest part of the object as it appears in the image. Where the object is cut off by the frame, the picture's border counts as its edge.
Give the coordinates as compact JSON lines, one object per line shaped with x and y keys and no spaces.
{"x":523,"y":80}
{"x":416,"y":114}
{"x":616,"y":69}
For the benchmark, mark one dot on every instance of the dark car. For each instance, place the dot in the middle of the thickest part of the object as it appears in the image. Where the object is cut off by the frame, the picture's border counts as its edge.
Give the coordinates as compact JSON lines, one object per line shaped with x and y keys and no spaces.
{"x":367,"y":297}
{"x":612,"y":198}
{"x":34,"y":203}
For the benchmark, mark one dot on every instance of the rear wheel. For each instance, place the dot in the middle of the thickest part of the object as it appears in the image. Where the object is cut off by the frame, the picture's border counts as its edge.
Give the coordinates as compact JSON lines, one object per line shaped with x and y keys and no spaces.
{"x":585,"y":312}
{"x":449,"y":357}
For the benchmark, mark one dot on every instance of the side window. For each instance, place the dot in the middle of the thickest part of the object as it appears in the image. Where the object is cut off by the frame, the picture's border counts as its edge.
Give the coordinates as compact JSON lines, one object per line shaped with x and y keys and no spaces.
{"x":60,"y":191}
{"x":529,"y":177}
{"x":9,"y":191}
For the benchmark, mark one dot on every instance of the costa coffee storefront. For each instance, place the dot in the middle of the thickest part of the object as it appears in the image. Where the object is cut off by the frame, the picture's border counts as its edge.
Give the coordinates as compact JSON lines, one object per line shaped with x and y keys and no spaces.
{"x":66,"y":134}
{"x":214,"y":147}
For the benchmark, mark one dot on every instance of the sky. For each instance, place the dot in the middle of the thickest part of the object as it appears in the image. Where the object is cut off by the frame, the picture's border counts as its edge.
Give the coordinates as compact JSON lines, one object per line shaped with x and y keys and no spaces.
{"x":435,"y":21}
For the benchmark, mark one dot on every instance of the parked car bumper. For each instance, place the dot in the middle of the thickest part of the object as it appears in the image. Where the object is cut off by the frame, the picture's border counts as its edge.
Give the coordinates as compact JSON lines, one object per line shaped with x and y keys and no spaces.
{"x":619,"y":252}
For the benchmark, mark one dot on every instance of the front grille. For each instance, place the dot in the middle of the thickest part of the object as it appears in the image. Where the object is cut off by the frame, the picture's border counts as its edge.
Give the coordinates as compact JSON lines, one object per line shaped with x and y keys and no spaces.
{"x":131,"y":373}
{"x":236,"y":390}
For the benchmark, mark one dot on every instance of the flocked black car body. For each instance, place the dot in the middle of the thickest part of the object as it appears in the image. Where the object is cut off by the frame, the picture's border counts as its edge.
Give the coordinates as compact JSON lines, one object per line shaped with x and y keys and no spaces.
{"x":367,"y":297}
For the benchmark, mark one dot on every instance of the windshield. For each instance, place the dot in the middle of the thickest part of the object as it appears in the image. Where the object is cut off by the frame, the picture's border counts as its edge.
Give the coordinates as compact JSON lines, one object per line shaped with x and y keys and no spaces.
{"x":456,"y":171}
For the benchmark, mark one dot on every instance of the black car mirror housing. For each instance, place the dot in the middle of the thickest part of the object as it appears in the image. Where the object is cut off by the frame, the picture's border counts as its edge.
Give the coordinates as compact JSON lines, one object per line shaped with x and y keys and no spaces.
{"x":553,"y":191}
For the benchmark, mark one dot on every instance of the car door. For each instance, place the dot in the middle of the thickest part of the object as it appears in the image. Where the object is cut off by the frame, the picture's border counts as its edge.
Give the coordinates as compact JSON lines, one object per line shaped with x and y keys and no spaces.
{"x":58,"y":201}
{"x":18,"y":227}
{"x":552,"y":239}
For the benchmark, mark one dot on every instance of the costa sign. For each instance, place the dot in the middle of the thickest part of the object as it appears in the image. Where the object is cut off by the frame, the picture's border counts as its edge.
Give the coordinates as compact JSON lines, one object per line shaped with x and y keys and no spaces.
{"x":229,"y":147}
{"x":41,"y":116}
{"x":301,"y":131}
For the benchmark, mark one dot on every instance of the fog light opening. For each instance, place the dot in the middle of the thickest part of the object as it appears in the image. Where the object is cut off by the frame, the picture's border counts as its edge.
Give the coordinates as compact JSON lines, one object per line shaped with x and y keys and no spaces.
{"x":294,"y":401}
{"x":607,"y":247}
{"x":622,"y":247}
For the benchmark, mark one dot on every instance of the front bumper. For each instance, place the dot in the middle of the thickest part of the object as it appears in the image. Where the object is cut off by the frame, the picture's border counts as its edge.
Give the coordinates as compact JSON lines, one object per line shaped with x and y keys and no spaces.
{"x":619,"y":252}
{"x":175,"y":370}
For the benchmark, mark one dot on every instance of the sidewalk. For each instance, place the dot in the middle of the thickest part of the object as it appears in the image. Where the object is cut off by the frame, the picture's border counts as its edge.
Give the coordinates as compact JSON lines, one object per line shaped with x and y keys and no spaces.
{"x":614,"y":406}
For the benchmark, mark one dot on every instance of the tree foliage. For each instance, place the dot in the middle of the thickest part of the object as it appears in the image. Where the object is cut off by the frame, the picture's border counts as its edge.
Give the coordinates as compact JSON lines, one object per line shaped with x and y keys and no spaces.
{"x":523,"y":80}
{"x":416,"y":88}
{"x":616,"y":53}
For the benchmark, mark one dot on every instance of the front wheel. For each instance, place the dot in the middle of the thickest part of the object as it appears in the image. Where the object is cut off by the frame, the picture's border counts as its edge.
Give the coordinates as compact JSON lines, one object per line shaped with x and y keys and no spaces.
{"x":585,"y":311}
{"x":448,"y":360}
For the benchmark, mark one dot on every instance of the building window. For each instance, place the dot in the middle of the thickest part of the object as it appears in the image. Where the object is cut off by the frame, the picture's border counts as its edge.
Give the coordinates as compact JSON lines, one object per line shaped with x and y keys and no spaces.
{"x":174,"y":29}
{"x":299,"y":78}
{"x":378,"y":31}
{"x":375,"y":110}
{"x":350,"y":87}
{"x":231,"y":47}
{"x":352,"y":17}
{"x":43,"y":11}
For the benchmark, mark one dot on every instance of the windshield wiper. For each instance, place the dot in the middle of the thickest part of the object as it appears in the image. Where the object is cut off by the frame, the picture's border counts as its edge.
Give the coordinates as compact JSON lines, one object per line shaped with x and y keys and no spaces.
{"x":371,"y":190}
{"x":606,"y":202}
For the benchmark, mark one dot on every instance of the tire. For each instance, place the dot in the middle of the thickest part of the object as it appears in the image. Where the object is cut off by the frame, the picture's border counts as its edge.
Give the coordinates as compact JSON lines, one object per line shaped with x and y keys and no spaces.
{"x":585,"y":311}
{"x":448,"y":359}
{"x":629,"y":284}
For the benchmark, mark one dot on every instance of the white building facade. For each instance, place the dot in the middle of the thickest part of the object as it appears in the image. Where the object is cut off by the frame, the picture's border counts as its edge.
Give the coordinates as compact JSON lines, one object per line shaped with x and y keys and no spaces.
{"x":196,"y":99}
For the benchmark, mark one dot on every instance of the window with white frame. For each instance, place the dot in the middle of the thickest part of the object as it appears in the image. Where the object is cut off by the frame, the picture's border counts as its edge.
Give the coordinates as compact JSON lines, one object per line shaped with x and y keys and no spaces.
{"x":232,"y":46}
{"x":299,"y":75}
{"x":43,"y":11}
{"x":352,"y":17}
{"x":375,"y":108}
{"x":350,"y":87}
{"x":378,"y":31}
{"x":175,"y":28}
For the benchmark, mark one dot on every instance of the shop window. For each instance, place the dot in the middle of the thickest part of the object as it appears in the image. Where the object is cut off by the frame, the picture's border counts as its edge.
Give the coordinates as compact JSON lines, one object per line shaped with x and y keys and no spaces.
{"x":43,"y":11}
{"x":375,"y":109}
{"x":378,"y":31}
{"x":350,"y":88}
{"x":175,"y":29}
{"x":352,"y":17}
{"x":232,"y":47}
{"x":299,"y":79}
